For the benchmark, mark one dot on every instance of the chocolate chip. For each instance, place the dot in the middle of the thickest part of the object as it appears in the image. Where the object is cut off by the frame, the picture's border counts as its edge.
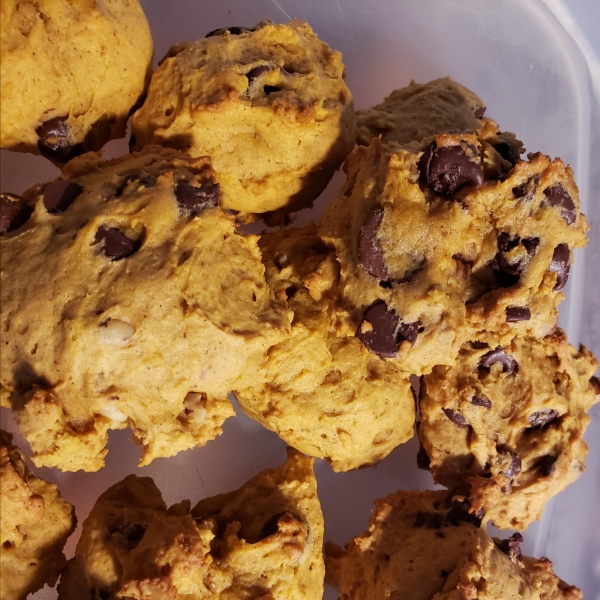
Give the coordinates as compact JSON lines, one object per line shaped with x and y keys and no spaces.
{"x":530,"y":245}
{"x":515,"y":314}
{"x":528,"y":189}
{"x":428,"y":520}
{"x":560,"y":265}
{"x":449,"y":168}
{"x":481,"y":400}
{"x":369,"y":248}
{"x":547,"y":465}
{"x":115,"y":244}
{"x":459,"y":511}
{"x":504,"y":149}
{"x":506,"y":243}
{"x":193,"y":200}
{"x":256,"y":72}
{"x":231,"y":30}
{"x":59,"y":195}
{"x":595,"y":383}
{"x":444,"y":573}
{"x":479,"y":112}
{"x":382,"y":331}
{"x":515,"y":465}
{"x":145,"y":180}
{"x":542,"y":418}
{"x":509,"y":364}
{"x":56,"y":140}
{"x":558,"y":196}
{"x":456,"y":417}
{"x":270,"y":89}
{"x":14,"y":212}
{"x":511,"y":546}
{"x":423,"y":461}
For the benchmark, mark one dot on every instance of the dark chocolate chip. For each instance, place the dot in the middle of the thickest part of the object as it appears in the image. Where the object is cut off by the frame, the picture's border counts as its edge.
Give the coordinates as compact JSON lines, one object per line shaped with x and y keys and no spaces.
{"x":193,"y":200}
{"x":511,"y":546}
{"x":59,"y":195}
{"x":560,"y":265}
{"x":14,"y":212}
{"x":504,"y":149}
{"x":408,"y":332}
{"x":381,"y":338}
{"x":444,"y":573}
{"x":506,"y":242}
{"x":595,"y":383}
{"x":479,"y":112}
{"x":547,"y":465}
{"x":56,"y":140}
{"x":515,"y":314}
{"x":256,"y":72}
{"x":270,"y":89}
{"x":423,"y":461}
{"x":527,"y":190}
{"x":515,"y":465}
{"x":507,"y":273}
{"x":231,"y":30}
{"x":115,"y":244}
{"x":481,"y":400}
{"x":542,"y":418}
{"x":447,"y":169}
{"x":558,"y":196}
{"x":428,"y":520}
{"x":509,"y":364}
{"x":459,"y":511}
{"x":456,"y":417}
{"x":530,"y":245}
{"x":369,"y":248}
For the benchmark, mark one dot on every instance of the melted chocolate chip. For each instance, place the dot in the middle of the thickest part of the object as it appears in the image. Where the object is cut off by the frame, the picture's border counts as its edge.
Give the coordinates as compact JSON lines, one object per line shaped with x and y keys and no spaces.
{"x":428,"y":520}
{"x":369,"y":248}
{"x":515,"y":314}
{"x":381,"y":331}
{"x":270,"y":89}
{"x":256,"y":72}
{"x":447,"y":169}
{"x":59,"y":195}
{"x":481,"y":400}
{"x":506,"y":243}
{"x":14,"y":212}
{"x":115,"y":244}
{"x":547,"y":465}
{"x":456,"y":417}
{"x":504,"y":149}
{"x":509,"y":364}
{"x":423,"y":461}
{"x":193,"y":200}
{"x":511,"y":546}
{"x":558,"y":196}
{"x":530,"y":245}
{"x":560,"y":265}
{"x":542,"y":418}
{"x":479,"y":112}
{"x":56,"y":140}
{"x":527,"y":190}
{"x":595,"y":383}
{"x":231,"y":30}
{"x":515,"y":465}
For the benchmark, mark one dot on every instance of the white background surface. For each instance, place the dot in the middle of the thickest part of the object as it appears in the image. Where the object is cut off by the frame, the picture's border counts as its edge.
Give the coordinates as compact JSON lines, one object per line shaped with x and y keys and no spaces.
{"x":535,"y":80}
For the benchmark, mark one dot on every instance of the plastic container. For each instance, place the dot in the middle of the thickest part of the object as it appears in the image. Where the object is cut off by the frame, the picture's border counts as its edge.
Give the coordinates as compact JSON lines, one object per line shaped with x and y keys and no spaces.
{"x":535,"y":81}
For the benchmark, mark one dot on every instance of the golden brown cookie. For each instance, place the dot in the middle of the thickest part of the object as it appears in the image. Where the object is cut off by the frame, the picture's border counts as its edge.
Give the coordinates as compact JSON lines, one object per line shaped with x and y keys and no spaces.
{"x":71,"y":73}
{"x":261,"y":541}
{"x":129,"y":299}
{"x":510,"y":420}
{"x":35,"y":523}
{"x":268,"y":104}
{"x":324,"y":393}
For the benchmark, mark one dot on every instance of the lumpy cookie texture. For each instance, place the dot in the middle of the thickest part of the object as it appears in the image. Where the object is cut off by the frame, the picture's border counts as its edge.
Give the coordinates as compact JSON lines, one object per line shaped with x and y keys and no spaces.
{"x":71,"y":73}
{"x":268,"y":104}
{"x":35,"y":523}
{"x":261,"y":541}
{"x":324,"y":393}
{"x":451,"y":243}
{"x":510,"y":420}
{"x":429,"y":546}
{"x":129,"y":299}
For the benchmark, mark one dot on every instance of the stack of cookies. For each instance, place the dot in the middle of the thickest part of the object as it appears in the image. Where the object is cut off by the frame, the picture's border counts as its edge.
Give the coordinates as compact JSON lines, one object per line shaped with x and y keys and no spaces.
{"x":133,"y":298}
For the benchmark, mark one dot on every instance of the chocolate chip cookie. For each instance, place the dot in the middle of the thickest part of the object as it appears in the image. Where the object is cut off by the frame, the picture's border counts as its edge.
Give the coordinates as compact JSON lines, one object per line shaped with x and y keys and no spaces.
{"x":429,"y":546}
{"x":510,"y":420}
{"x":35,"y":523}
{"x":71,"y":73}
{"x":129,"y":298}
{"x":263,"y":540}
{"x":268,"y":104}
{"x":324,"y":393}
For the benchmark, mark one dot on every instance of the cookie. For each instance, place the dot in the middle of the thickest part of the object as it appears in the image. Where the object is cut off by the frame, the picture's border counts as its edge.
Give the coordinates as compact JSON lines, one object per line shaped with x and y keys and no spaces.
{"x":450,"y":244}
{"x":510,"y":420}
{"x":71,"y":73}
{"x":428,"y":546}
{"x":325,"y":394}
{"x":263,"y":540}
{"x":268,"y":104}
{"x":35,"y":523}
{"x":129,"y":299}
